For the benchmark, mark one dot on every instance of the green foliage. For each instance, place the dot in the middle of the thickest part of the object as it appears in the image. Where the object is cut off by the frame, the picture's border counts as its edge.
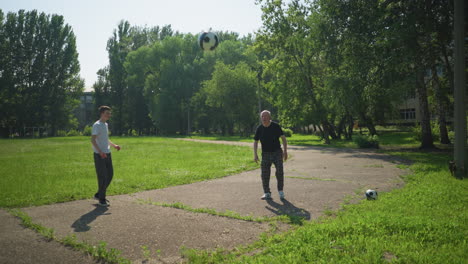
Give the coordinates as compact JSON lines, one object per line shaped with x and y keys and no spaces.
{"x":70,"y":133}
{"x":62,"y":133}
{"x":132,"y":133}
{"x":73,"y":133}
{"x":231,"y":94}
{"x":416,"y":130}
{"x":288,"y":132}
{"x":87,"y":130}
{"x":39,"y":71}
{"x":363,"y":141}
{"x":167,"y":74}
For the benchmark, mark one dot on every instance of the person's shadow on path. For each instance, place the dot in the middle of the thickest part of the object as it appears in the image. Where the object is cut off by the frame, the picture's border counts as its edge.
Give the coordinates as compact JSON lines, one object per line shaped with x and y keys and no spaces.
{"x":82,"y":224}
{"x":295,"y":214}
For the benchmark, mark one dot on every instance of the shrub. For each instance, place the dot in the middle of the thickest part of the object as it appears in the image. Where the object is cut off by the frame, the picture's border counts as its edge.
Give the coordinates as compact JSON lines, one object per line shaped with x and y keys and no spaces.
{"x":287,"y":132}
{"x":87,"y":130}
{"x":132,"y":133}
{"x":366,"y":141}
{"x":434,"y":129}
{"x":61,"y":133}
{"x":451,"y":135}
{"x":73,"y":133}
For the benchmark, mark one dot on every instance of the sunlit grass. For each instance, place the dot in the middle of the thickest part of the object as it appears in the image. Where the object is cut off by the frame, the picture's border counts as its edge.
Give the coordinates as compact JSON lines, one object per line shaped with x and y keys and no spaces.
{"x":388,"y":139}
{"x":50,"y":170}
{"x":424,"y":222}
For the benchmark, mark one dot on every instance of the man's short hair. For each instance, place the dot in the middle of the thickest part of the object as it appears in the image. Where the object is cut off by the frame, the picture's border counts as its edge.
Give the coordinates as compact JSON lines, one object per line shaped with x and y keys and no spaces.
{"x":103,"y":108}
{"x":265,"y":111}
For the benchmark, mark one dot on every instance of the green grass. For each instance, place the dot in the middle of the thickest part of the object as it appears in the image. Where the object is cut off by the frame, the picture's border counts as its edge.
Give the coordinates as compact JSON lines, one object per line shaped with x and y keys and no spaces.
{"x":424,"y":222}
{"x":388,"y":139}
{"x":50,"y":170}
{"x":290,"y":219}
{"x":224,"y":138}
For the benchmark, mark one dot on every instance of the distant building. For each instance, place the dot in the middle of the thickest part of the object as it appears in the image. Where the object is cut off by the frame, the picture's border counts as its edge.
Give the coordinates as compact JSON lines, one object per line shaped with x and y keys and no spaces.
{"x":409,"y":110}
{"x":85,"y":113}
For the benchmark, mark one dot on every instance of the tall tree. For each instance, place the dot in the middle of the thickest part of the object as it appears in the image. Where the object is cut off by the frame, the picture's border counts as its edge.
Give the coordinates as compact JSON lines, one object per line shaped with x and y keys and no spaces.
{"x":167,"y":73}
{"x":102,"y":88}
{"x":231,"y":92}
{"x":295,"y":74}
{"x":40,"y":75}
{"x":118,"y":47}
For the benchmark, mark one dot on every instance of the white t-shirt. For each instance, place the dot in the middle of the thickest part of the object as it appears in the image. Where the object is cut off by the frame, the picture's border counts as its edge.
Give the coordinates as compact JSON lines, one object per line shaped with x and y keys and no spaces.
{"x":101,"y":131}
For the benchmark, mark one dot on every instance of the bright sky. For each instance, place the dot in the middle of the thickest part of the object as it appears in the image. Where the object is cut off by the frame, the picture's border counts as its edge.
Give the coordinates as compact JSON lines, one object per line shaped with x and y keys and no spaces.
{"x":93,"y":21}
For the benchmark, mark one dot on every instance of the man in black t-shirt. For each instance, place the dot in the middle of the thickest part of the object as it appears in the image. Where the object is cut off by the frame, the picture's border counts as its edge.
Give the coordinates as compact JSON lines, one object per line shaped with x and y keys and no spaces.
{"x":269,"y":133}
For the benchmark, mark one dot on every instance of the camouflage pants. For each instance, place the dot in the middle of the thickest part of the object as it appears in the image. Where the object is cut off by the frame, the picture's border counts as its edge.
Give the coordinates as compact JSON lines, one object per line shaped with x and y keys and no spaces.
{"x":269,"y":158}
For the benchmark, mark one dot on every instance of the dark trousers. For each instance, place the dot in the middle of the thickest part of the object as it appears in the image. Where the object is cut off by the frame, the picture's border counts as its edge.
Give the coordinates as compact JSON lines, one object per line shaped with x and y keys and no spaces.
{"x":105,"y":172}
{"x":269,"y":158}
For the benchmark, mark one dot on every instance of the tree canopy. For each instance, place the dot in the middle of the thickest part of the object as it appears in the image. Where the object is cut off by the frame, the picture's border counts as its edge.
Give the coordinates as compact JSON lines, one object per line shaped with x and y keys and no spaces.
{"x":39,"y":72}
{"x":329,"y":64}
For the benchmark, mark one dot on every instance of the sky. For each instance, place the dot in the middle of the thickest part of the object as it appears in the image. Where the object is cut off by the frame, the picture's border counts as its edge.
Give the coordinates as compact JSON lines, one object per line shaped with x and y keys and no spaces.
{"x":93,"y":21}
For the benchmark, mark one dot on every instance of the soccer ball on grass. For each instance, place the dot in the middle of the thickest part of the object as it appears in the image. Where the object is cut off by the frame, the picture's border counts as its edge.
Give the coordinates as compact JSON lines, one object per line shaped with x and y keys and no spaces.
{"x":371,"y":194}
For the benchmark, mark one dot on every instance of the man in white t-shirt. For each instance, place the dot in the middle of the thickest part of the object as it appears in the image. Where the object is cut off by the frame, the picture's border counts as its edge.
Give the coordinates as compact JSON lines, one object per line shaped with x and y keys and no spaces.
{"x":102,"y":155}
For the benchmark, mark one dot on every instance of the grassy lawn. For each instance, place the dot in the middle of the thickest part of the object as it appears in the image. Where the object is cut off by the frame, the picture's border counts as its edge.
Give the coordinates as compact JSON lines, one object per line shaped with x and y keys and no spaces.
{"x":387,"y":139}
{"x":50,"y":170}
{"x":424,"y":222}
{"x":224,"y":138}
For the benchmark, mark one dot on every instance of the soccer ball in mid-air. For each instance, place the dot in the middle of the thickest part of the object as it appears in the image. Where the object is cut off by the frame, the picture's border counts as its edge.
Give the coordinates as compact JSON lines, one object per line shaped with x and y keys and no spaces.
{"x":371,"y":194}
{"x":208,"y":41}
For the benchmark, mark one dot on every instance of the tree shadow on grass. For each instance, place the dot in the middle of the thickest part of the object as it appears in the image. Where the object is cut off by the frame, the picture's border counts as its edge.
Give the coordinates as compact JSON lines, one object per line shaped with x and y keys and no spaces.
{"x":296,"y":215}
{"x":82,"y":224}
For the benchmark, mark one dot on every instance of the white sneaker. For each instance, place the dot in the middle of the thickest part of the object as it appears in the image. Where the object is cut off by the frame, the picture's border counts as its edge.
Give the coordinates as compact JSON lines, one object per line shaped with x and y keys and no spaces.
{"x":266,"y":196}
{"x":281,"y":194}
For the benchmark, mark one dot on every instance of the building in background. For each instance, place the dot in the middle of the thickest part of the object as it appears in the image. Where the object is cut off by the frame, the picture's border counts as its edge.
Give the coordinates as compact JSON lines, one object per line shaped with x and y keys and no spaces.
{"x":85,"y":113}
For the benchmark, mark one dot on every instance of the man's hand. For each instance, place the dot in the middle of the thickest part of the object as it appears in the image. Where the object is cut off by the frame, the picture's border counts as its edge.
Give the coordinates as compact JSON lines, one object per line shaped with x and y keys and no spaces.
{"x":103,"y":155}
{"x":256,"y":159}
{"x":285,"y":155}
{"x":117,"y":147}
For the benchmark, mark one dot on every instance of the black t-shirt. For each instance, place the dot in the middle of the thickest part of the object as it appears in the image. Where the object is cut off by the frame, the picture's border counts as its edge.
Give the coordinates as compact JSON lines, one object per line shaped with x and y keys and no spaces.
{"x":269,"y":136}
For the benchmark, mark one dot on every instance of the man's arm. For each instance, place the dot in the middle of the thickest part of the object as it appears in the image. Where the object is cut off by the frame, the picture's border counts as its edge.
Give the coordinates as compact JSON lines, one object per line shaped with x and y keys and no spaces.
{"x":255,"y":147}
{"x":117,"y":147}
{"x":285,"y":147}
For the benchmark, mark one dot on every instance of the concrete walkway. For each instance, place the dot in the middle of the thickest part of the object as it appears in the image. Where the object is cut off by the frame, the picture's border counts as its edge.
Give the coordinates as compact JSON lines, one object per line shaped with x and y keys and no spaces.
{"x":316,"y":179}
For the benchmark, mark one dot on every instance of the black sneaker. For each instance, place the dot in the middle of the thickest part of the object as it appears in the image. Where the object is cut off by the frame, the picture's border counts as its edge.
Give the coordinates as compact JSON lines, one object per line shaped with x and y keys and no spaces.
{"x":96,"y":197}
{"x":104,"y":203}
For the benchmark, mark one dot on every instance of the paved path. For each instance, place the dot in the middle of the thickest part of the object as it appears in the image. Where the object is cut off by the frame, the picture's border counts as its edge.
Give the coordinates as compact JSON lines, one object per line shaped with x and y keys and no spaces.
{"x":316,"y":179}
{"x":19,"y":245}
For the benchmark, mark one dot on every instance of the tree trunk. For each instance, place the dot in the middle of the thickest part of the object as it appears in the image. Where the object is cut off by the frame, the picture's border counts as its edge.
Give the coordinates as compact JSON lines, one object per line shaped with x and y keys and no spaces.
{"x":426,"y":138}
{"x":369,"y":124}
{"x":371,"y":127}
{"x":326,"y":132}
{"x":342,"y":127}
{"x":332,"y":131}
{"x":349,"y":136}
{"x":441,"y":112}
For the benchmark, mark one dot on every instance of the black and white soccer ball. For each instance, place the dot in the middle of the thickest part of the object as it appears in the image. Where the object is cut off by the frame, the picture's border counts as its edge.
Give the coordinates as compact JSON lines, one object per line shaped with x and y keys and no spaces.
{"x":371,"y":194}
{"x":208,"y":41}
